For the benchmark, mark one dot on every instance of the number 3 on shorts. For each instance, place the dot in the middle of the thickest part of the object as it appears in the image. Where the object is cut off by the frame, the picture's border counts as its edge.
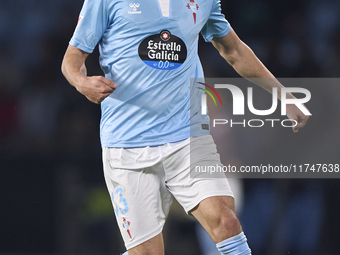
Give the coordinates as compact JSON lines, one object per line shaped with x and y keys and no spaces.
{"x":116,"y":206}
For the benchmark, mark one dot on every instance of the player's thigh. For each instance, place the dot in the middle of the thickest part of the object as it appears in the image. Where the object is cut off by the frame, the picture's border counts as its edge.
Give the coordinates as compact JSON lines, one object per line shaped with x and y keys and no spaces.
{"x":188,"y":187}
{"x":207,"y":197}
{"x":140,"y":200}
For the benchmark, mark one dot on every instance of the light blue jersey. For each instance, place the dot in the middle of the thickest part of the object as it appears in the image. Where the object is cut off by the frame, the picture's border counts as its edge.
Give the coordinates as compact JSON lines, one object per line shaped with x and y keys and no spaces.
{"x":149,"y":49}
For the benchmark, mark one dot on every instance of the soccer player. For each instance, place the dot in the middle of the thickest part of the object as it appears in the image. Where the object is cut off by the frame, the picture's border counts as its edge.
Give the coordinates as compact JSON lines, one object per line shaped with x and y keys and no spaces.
{"x":151,"y":112}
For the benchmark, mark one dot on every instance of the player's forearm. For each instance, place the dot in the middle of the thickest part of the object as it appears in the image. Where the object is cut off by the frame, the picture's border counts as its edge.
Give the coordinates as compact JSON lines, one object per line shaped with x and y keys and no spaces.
{"x":246,"y":63}
{"x":73,"y":67}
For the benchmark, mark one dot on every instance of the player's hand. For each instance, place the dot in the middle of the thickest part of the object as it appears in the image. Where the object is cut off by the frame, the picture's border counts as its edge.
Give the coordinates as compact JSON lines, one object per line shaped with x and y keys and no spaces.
{"x":294,"y":113}
{"x":96,"y":88}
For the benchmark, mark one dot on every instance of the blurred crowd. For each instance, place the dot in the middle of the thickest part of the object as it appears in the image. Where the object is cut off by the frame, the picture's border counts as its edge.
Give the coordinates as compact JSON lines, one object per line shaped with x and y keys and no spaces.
{"x":53,"y":194}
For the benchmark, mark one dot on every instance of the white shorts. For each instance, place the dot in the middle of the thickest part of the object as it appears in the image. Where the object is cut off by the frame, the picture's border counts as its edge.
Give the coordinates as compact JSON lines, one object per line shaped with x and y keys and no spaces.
{"x":142,"y":181}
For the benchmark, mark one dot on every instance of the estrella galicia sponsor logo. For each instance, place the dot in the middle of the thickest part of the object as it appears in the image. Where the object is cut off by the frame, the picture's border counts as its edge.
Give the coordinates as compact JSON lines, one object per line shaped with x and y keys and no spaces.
{"x":163,"y":51}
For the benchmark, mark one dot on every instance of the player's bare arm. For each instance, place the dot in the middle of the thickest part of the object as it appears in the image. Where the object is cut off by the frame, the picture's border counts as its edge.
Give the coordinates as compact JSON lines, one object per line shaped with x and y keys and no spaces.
{"x":246,"y":64}
{"x":94,"y":88}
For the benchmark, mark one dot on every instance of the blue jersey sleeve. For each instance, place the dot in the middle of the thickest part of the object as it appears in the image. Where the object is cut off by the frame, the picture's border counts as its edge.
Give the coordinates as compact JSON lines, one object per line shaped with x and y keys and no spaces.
{"x":93,"y":21}
{"x":217,"y":25}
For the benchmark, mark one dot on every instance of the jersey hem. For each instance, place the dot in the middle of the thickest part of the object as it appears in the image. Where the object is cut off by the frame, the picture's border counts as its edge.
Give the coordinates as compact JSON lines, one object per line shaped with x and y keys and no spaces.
{"x":144,"y":143}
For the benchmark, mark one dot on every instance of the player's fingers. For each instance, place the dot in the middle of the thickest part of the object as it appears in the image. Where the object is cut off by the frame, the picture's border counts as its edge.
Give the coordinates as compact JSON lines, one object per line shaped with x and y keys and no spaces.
{"x":98,"y":99}
{"x":303,"y":122}
{"x":300,"y":124}
{"x":295,"y":129}
{"x":105,"y":95}
{"x":112,"y":85}
{"x":305,"y":119}
{"x":106,"y":89}
{"x":296,"y":125}
{"x":108,"y":82}
{"x":101,"y":87}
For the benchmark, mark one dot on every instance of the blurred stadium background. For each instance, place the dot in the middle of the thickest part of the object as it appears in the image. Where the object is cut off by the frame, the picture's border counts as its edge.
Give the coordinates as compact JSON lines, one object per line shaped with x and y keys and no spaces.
{"x":53,"y":195}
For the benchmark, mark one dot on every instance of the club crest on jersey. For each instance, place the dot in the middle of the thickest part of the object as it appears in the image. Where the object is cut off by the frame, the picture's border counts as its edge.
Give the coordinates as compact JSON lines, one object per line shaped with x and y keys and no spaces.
{"x":134,"y":7}
{"x":126,"y":225}
{"x":194,"y":7}
{"x":163,"y":51}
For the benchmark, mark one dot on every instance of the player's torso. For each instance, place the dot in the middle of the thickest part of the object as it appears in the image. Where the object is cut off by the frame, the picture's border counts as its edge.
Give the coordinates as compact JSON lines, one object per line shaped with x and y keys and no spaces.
{"x":150,"y":52}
